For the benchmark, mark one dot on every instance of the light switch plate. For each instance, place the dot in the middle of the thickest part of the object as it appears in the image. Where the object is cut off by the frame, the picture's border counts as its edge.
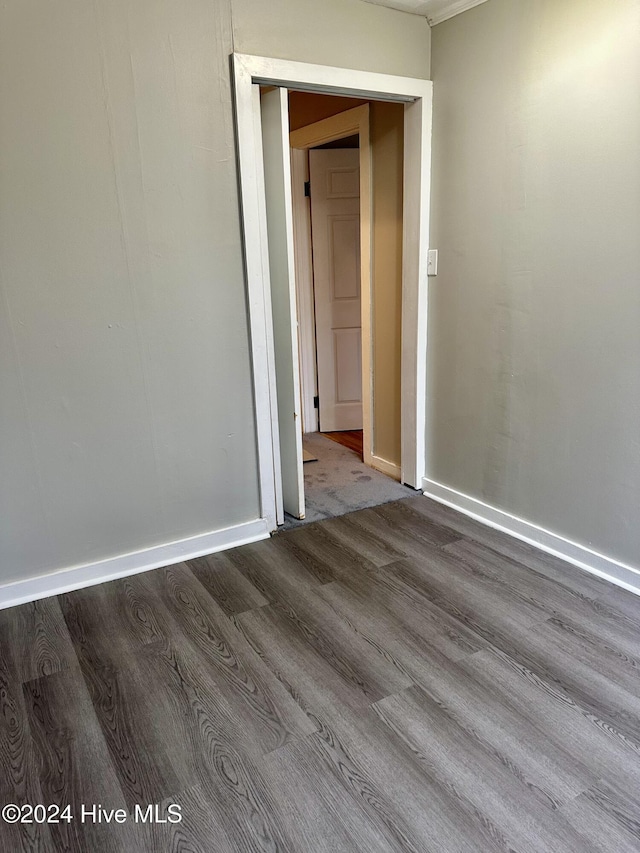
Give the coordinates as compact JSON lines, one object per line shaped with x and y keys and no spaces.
{"x":432,"y":262}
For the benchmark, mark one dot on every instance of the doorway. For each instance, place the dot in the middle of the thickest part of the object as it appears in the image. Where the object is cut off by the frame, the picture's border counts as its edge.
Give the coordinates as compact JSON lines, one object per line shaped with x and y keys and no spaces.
{"x":320,"y":124}
{"x":331,"y":189}
{"x":337,"y":185}
{"x":270,"y":262}
{"x":334,"y":195}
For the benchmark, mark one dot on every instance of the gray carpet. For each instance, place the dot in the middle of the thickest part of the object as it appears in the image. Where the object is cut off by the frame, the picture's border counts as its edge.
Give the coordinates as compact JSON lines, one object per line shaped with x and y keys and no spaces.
{"x":339,"y":482}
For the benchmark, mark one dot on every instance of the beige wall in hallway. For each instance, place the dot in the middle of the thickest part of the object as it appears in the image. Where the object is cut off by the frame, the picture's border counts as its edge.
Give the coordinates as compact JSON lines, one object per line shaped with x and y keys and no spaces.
{"x":125,"y":385}
{"x":387,"y":137}
{"x":387,"y":141}
{"x":534,"y":386}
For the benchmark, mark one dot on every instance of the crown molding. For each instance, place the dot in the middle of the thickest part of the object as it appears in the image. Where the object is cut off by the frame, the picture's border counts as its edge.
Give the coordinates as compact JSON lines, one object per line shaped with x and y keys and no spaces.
{"x":451,"y":10}
{"x":442,"y":9}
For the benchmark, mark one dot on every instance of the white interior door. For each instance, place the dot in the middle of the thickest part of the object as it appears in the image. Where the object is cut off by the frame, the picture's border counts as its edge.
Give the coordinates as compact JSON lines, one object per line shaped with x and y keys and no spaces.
{"x":277,"y":181}
{"x":335,"y":222}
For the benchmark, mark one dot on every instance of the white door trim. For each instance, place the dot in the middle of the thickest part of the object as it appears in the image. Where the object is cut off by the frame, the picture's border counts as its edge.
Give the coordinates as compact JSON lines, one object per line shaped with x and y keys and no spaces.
{"x":304,"y":289}
{"x":330,"y":129}
{"x":417,"y":96}
{"x":274,"y":112}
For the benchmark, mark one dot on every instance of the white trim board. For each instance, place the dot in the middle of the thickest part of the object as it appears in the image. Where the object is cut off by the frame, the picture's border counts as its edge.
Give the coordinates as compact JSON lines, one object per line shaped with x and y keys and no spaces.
{"x":304,"y":288}
{"x":248,"y":73}
{"x":77,"y":577}
{"x":305,"y":77}
{"x":578,"y":555}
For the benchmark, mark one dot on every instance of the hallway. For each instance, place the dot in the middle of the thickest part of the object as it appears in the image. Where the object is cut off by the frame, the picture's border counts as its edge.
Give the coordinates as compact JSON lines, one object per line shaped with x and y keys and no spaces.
{"x":339,"y":482}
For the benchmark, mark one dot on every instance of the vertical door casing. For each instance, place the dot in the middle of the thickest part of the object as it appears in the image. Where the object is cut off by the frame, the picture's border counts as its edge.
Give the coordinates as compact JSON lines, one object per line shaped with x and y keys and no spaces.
{"x":279,"y":214}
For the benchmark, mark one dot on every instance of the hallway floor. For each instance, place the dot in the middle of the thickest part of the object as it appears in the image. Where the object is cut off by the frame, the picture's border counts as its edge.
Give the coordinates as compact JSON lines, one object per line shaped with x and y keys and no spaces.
{"x":397,"y":679}
{"x":339,"y":482}
{"x":351,"y":438}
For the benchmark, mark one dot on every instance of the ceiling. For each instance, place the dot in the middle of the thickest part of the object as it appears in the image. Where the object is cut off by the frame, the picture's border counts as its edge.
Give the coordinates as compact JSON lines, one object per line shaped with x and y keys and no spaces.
{"x":435,"y":11}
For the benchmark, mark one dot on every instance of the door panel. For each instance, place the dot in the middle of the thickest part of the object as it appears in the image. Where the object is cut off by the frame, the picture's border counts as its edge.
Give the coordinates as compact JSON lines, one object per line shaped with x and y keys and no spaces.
{"x":335,"y":222}
{"x":277,"y":179}
{"x":348,"y":346}
{"x":344,"y":237}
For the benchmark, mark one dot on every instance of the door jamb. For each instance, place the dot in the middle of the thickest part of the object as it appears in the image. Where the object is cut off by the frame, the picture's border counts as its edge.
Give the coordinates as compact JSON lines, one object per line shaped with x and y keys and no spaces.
{"x":417,"y":96}
{"x":304,"y":289}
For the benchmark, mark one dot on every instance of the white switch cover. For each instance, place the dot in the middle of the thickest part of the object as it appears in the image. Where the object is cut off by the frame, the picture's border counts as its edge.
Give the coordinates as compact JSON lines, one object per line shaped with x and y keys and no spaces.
{"x":432,"y":262}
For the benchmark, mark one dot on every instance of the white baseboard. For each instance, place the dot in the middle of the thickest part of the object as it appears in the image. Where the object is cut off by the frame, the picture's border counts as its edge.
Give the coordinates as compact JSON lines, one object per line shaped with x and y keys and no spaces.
{"x":578,"y":555}
{"x":386,"y":467}
{"x":76,"y":577}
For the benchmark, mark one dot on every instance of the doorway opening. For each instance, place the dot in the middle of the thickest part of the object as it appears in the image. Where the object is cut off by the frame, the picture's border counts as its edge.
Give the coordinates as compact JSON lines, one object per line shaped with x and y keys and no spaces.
{"x":266,"y":190}
{"x":346,"y":166}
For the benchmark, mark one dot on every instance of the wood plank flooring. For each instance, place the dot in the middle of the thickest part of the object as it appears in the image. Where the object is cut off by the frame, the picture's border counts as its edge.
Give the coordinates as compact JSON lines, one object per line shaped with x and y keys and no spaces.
{"x":398,"y":679}
{"x":351,"y":438}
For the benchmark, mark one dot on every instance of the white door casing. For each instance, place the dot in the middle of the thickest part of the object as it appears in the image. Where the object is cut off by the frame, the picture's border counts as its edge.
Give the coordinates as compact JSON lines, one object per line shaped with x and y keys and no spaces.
{"x":279,"y":215}
{"x":304,"y":288}
{"x":417,"y":96}
{"x":335,"y":222}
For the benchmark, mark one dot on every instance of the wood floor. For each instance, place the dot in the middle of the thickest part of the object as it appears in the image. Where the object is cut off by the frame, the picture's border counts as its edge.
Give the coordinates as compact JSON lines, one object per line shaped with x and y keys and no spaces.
{"x":398,"y":679}
{"x":351,"y":438}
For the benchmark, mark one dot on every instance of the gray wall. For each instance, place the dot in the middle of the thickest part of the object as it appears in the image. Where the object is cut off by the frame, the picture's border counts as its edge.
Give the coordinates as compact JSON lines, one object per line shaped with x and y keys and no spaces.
{"x":125,"y":387}
{"x":534,"y":383}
